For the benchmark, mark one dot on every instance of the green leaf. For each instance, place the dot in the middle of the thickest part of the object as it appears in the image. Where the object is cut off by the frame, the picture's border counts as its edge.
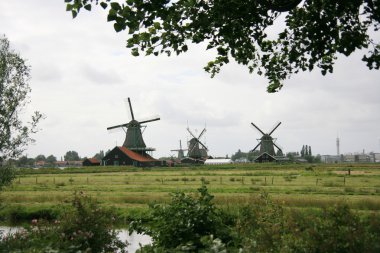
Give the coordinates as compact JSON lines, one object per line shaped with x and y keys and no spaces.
{"x":88,"y":7}
{"x":74,"y":13}
{"x":135,"y":52}
{"x":103,"y":5}
{"x":116,"y":6}
{"x":69,"y":7}
{"x":111,"y":15}
{"x":118,"y":27}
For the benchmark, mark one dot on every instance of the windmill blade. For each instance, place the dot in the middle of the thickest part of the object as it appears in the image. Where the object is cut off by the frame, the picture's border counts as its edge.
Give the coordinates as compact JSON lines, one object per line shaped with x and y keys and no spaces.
{"x":202,"y":144}
{"x":256,"y":147}
{"x":191,"y":150}
{"x":117,"y":130}
{"x":277,"y":146}
{"x":130,"y":108}
{"x":203,"y":131}
{"x":149,"y":120}
{"x":278,"y":124}
{"x":180,"y":147}
{"x":122,"y":125}
{"x":257,"y":128}
{"x":188,"y":129}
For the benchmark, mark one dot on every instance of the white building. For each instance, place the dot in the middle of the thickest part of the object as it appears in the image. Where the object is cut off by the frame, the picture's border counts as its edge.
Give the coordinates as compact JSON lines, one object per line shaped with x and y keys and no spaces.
{"x":218,"y":161}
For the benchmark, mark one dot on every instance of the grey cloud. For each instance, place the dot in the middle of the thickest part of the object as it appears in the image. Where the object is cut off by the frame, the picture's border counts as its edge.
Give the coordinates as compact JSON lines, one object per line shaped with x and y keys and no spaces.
{"x":101,"y":76}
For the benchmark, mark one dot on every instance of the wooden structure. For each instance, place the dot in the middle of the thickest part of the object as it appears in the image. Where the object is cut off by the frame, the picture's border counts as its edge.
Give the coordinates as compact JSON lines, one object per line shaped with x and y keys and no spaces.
{"x":196,"y":149}
{"x":267,"y":146}
{"x":91,"y":162}
{"x":134,"y":151}
{"x":120,"y":156}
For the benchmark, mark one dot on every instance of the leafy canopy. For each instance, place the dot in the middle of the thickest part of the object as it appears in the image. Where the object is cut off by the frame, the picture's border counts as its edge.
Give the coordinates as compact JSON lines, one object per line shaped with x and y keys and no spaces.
{"x":315,"y":31}
{"x":14,"y":91}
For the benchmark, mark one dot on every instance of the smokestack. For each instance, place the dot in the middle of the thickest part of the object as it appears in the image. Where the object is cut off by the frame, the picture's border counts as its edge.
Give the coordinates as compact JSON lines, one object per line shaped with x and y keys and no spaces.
{"x":337,"y":146}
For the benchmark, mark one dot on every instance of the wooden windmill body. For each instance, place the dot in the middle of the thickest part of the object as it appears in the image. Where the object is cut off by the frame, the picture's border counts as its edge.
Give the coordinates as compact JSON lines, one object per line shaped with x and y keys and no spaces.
{"x":267,"y":145}
{"x":133,"y":136}
{"x":196,"y":149}
{"x":181,"y":153}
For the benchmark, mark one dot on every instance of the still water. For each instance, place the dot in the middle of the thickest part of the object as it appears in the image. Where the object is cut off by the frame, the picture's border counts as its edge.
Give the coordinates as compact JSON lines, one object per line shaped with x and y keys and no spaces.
{"x":133,"y":239}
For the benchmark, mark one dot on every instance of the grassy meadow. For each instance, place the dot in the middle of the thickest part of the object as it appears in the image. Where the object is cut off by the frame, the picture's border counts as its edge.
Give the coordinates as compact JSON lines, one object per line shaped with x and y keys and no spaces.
{"x":129,"y":190}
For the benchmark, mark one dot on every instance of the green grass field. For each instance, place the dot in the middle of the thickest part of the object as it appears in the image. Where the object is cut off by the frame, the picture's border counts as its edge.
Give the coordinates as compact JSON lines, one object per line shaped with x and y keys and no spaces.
{"x":130,"y":189}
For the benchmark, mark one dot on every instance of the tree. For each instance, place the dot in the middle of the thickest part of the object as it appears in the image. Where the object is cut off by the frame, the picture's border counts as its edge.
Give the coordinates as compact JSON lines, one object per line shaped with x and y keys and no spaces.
{"x":99,"y":155}
{"x":71,"y":156}
{"x":40,"y":158}
{"x":51,"y":159}
{"x":24,"y":161}
{"x":14,"y":90}
{"x":303,"y":151}
{"x":15,"y":135}
{"x":314,"y":33}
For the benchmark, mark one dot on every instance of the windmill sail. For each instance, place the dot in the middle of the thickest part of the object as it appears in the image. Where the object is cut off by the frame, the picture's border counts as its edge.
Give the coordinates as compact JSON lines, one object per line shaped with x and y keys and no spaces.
{"x":133,"y":138}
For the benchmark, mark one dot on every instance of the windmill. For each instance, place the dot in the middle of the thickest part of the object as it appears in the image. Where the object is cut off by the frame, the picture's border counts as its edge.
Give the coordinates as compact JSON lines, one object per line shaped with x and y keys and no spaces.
{"x":181,"y":154}
{"x":133,"y":139}
{"x":194,"y":151}
{"x":266,"y":142}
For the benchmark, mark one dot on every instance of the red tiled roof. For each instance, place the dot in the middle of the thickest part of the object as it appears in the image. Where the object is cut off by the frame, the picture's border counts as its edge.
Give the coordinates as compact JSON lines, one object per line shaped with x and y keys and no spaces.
{"x":135,"y":156}
{"x":93,"y":160}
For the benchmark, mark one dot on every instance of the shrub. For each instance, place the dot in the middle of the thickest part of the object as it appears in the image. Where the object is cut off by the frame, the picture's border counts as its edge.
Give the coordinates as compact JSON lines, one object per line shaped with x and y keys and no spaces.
{"x":7,"y":175}
{"x":186,"y":223}
{"x":84,"y":228}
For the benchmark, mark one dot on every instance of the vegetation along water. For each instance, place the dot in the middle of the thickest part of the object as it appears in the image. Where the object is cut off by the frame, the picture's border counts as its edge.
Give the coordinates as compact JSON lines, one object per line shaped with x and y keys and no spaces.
{"x":247,"y":207}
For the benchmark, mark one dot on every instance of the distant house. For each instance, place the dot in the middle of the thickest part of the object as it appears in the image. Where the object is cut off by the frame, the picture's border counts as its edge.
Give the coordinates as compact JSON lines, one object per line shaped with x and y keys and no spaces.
{"x":75,"y":163}
{"x":376,"y":157}
{"x":40,"y":164}
{"x":61,"y":163}
{"x":124,"y":156}
{"x":91,"y":162}
{"x":330,"y":158}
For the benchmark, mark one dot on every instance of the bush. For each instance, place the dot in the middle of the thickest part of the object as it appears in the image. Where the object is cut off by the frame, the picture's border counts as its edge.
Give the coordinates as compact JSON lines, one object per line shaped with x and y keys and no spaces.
{"x":187,"y":223}
{"x":7,"y":175}
{"x":84,"y":228}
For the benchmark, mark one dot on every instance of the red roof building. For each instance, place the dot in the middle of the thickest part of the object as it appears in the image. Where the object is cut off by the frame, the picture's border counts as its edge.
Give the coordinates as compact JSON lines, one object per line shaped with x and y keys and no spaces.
{"x":91,"y":162}
{"x":124,"y":156}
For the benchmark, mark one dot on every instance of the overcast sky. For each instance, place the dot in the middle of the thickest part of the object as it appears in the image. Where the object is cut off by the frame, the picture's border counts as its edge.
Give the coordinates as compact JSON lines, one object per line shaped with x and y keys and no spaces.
{"x":82,"y":72}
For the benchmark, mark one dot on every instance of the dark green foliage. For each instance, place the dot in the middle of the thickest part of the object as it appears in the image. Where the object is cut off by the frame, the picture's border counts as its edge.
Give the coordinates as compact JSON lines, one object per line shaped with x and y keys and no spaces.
{"x":7,"y":175}
{"x":184,"y":223}
{"x":71,"y":156}
{"x":194,"y":225}
{"x":86,"y":227}
{"x":260,"y":227}
{"x":19,"y":214}
{"x":315,"y":31}
{"x":336,"y":229}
